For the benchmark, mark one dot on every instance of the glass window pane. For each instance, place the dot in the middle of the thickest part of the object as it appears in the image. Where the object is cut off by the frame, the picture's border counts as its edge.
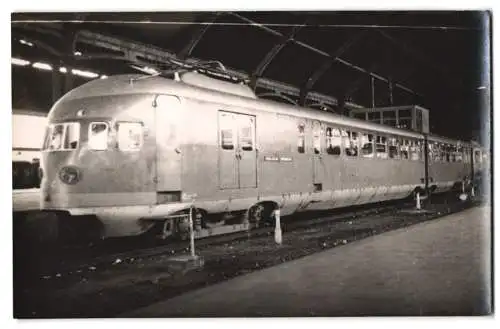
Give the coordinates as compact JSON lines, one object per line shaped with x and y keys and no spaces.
{"x":381,"y":147}
{"x":361,"y":116}
{"x":389,"y":114}
{"x":393,"y":148}
{"x":414,"y":151}
{"x":48,"y":134}
{"x":351,"y":143}
{"x":246,"y":139}
{"x":333,"y":141}
{"x":317,"y":138}
{"x":404,"y":113}
{"x":56,"y":137}
{"x":72,"y":135}
{"x":227,"y":139}
{"x":374,"y":116}
{"x":301,"y":142}
{"x":317,"y":144}
{"x":405,"y":123}
{"x":129,"y":135}
{"x":367,"y":148}
{"x":404,"y":149}
{"x":98,"y":136}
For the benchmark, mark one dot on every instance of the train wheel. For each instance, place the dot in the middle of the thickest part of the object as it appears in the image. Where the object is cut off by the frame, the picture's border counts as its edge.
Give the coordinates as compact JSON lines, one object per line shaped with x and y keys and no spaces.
{"x":181,"y":229}
{"x":260,"y":214}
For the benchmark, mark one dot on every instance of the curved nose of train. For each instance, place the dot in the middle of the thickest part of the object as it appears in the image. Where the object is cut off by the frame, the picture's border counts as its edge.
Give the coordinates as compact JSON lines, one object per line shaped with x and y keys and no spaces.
{"x":58,"y":178}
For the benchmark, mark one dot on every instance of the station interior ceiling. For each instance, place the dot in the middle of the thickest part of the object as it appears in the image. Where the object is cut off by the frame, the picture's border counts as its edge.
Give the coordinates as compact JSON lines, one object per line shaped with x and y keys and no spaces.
{"x":436,"y":60}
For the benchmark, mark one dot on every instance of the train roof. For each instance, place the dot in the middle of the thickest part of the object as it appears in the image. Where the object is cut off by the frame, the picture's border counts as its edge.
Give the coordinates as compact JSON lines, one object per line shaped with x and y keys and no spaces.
{"x":221,"y":92}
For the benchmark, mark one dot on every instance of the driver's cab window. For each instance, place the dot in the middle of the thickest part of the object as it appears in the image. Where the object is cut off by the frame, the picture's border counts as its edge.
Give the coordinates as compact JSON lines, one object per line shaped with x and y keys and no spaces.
{"x":62,"y":137}
{"x":56,"y":137}
{"x":98,"y":136}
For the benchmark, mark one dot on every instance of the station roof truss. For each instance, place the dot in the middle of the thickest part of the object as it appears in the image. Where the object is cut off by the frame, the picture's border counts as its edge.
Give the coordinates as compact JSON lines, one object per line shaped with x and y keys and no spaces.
{"x":327,"y":60}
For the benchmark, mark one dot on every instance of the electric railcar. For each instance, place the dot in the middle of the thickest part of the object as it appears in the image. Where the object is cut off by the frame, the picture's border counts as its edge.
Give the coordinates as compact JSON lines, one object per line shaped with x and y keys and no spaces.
{"x":129,"y":151}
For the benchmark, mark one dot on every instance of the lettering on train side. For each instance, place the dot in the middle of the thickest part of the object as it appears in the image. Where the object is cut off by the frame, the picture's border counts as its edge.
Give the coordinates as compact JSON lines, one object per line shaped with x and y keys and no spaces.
{"x":278,"y":159}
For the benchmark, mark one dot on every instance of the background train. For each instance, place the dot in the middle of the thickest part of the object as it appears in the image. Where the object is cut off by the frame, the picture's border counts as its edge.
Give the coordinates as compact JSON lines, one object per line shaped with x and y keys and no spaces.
{"x":28,"y":130}
{"x":127,"y":152}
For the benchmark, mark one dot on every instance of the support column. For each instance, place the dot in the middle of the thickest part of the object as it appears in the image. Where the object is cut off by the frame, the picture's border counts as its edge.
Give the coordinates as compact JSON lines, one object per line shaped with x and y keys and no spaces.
{"x":69,"y":42}
{"x":391,"y":99}
{"x":372,"y":82}
{"x":68,"y":79}
{"x":56,"y":83}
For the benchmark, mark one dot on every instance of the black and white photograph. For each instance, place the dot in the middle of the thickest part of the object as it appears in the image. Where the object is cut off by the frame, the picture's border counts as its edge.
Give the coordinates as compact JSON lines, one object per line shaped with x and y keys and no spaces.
{"x":252,"y":164}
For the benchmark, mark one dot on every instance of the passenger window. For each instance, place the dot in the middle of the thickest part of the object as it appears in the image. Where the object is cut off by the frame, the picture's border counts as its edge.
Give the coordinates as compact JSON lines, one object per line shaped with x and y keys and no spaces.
{"x":404,"y":148}
{"x":333,"y":141}
{"x":367,"y":148}
{"x":301,"y":142}
{"x":459,"y":154}
{"x":421,"y":150}
{"x":98,"y":136}
{"x":447,"y":150}
{"x":393,"y":148}
{"x":453,"y":153}
{"x":414,"y":150}
{"x":317,"y":138}
{"x":129,"y":136}
{"x":439,"y":153}
{"x":381,"y":147}
{"x":477,"y":156}
{"x":352,"y":148}
{"x":432,"y":149}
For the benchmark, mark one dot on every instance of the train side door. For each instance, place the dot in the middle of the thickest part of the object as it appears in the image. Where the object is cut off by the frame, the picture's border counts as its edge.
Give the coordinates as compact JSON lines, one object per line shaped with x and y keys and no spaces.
{"x":168,"y":140}
{"x":247,"y":155}
{"x":237,"y":154}
{"x":318,"y":165}
{"x":228,"y":156}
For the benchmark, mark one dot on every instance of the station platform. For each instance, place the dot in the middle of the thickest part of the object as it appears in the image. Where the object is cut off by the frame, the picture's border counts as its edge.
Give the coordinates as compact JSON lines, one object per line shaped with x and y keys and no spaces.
{"x":25,"y":199}
{"x":437,"y":268}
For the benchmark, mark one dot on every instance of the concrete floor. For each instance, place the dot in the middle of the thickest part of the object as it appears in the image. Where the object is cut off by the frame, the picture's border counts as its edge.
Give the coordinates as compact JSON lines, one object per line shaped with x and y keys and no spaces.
{"x":26,"y":199}
{"x":434,"y":268}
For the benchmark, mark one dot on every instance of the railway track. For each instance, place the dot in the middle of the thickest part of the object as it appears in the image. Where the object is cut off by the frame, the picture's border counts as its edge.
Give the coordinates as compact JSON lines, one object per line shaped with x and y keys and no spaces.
{"x":66,"y":260}
{"x":101,"y":286}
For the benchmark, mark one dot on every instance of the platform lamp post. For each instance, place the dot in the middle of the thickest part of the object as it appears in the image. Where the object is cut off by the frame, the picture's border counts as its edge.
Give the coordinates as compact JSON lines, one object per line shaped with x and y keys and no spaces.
{"x":277,"y":227}
{"x":191,"y":232}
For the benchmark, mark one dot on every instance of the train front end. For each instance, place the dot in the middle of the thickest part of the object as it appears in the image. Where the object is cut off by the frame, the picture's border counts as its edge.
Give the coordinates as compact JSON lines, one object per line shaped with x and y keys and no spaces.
{"x":98,"y":164}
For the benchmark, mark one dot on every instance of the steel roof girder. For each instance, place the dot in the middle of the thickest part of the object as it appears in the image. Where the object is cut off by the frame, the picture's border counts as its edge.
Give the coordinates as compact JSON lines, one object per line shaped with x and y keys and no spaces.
{"x":191,"y":45}
{"x":43,"y":45}
{"x":132,"y":49}
{"x":314,"y":77}
{"x":264,"y":63}
{"x":318,"y":51}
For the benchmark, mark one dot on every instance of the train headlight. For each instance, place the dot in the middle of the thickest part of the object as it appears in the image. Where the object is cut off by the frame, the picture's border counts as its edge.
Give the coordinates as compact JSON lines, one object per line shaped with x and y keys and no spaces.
{"x":69,"y":175}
